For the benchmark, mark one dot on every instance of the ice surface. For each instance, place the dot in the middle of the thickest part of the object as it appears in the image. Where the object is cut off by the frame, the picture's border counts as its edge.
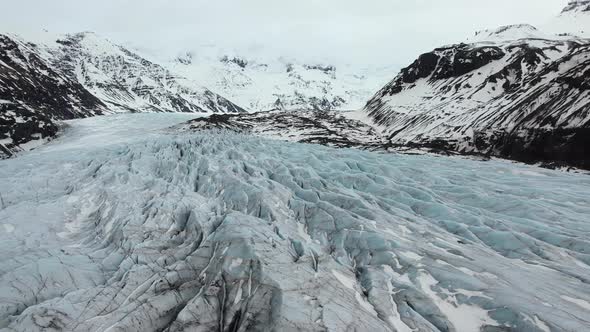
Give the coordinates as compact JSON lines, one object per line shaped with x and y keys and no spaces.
{"x":123,"y":225}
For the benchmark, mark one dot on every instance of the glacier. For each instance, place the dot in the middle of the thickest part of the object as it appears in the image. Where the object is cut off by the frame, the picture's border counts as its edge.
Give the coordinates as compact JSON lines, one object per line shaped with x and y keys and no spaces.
{"x":124,"y":223}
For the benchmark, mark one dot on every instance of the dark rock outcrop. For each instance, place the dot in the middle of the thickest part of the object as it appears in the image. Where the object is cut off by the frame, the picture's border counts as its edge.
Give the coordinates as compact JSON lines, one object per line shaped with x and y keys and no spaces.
{"x":84,"y":75}
{"x":329,"y":128}
{"x":577,"y":6}
{"x":33,"y":95}
{"x":126,"y":81}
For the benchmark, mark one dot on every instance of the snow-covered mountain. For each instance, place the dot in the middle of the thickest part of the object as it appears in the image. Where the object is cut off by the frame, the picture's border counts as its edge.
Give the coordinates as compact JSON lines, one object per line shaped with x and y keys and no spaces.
{"x":64,"y":77}
{"x":120,"y":80}
{"x":33,"y":94}
{"x":514,"y":92}
{"x":264,"y":83}
{"x":128,"y":82}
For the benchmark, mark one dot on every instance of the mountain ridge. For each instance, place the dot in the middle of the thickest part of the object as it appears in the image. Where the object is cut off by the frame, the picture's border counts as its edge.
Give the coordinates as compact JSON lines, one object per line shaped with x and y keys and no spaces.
{"x":523,"y":98}
{"x":33,"y":95}
{"x":266,"y":83}
{"x":60,"y":77}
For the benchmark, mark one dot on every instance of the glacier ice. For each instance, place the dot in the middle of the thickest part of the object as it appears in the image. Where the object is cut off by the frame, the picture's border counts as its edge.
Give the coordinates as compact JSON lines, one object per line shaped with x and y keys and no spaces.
{"x":123,"y":225}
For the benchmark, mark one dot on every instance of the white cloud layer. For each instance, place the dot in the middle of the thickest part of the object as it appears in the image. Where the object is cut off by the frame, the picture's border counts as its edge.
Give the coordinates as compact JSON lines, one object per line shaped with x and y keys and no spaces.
{"x":388,"y":32}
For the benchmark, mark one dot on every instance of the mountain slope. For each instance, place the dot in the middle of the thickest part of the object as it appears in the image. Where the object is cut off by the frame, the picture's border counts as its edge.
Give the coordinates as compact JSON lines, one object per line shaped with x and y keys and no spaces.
{"x":33,"y":94}
{"x":511,"y":93}
{"x":81,"y":75}
{"x":128,"y":82}
{"x":266,"y":83}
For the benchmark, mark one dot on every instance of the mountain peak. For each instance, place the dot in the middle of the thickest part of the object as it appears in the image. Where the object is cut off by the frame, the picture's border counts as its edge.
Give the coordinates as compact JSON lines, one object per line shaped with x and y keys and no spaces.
{"x":509,"y":32}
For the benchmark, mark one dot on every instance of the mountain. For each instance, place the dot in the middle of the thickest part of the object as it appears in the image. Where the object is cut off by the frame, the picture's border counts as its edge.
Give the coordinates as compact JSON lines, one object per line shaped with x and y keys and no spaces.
{"x":113,"y":79}
{"x":264,"y":83}
{"x":72,"y":76}
{"x":34,"y":94}
{"x":128,"y":82}
{"x":514,"y":92}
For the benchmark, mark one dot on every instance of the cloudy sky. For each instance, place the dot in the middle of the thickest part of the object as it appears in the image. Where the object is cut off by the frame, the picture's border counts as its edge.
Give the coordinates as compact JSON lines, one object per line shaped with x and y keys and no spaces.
{"x":384,"y":32}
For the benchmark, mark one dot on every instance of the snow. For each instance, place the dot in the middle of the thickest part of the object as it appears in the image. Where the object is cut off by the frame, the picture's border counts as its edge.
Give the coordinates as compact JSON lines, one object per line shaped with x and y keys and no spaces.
{"x":510,"y":32}
{"x":582,"y":303}
{"x":349,"y":283}
{"x":33,"y":144}
{"x":344,"y":280}
{"x":262,"y":81}
{"x":8,"y":228}
{"x":364,"y":303}
{"x":3,"y":64}
{"x":412,"y":255}
{"x":123,"y":80}
{"x":463,"y":317}
{"x":125,"y":224}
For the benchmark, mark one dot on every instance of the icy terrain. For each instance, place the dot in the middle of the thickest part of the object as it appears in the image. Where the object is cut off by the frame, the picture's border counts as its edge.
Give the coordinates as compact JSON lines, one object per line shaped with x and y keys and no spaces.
{"x":124,"y":225}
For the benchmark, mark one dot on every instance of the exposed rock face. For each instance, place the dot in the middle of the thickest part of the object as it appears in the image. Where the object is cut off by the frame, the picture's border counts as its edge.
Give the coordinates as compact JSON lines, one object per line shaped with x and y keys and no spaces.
{"x":22,"y":129}
{"x":83,"y":75}
{"x":33,"y":94}
{"x":128,"y":82}
{"x":526,"y":99}
{"x":329,"y":128}
{"x":577,"y":6}
{"x":445,"y":63}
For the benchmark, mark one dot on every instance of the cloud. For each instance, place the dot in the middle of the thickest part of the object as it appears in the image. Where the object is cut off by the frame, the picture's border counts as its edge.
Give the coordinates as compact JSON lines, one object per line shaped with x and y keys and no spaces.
{"x":388,"y":32}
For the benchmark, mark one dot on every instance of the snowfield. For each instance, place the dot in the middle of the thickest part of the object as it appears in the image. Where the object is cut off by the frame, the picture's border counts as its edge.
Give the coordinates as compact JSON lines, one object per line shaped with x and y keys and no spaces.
{"x":123,"y":224}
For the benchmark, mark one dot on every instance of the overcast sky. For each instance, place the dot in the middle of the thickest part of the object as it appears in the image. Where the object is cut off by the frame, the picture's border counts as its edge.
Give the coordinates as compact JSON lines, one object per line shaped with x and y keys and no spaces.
{"x":385,"y":32}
